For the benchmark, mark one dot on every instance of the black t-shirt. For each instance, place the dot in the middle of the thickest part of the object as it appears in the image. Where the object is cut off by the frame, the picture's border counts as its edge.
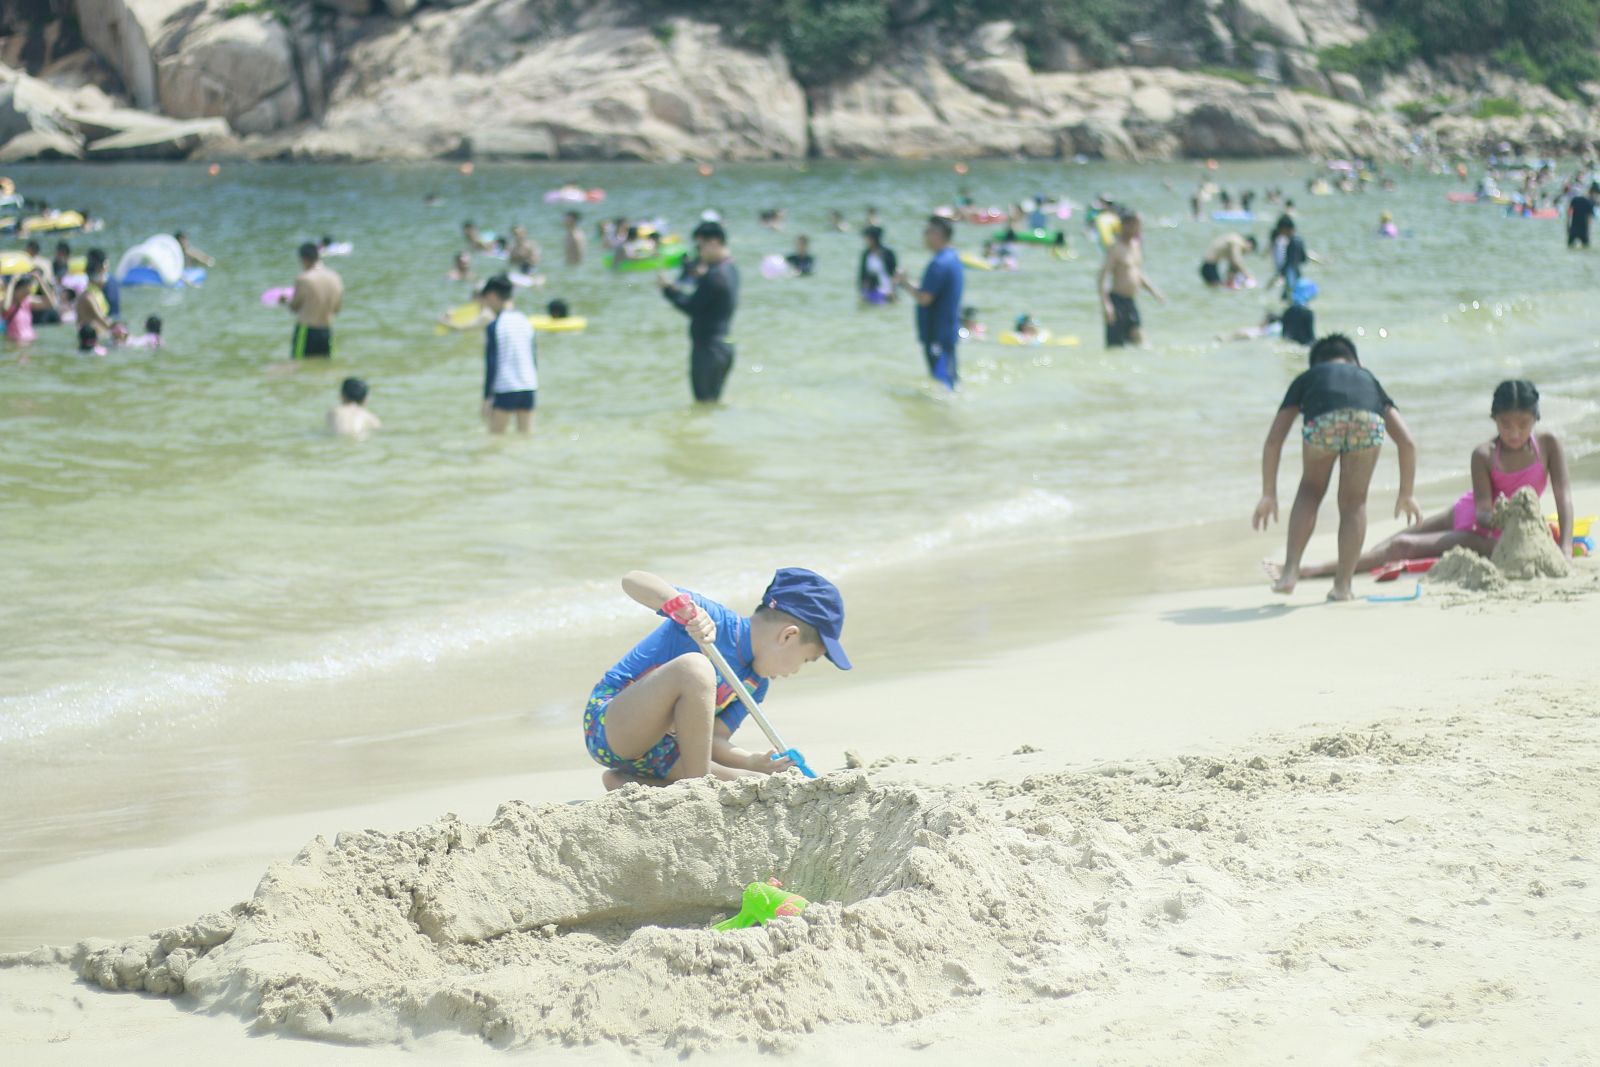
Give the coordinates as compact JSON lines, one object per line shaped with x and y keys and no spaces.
{"x":802,"y":264}
{"x":710,"y":307}
{"x":1334,"y":385}
{"x":1582,"y":210}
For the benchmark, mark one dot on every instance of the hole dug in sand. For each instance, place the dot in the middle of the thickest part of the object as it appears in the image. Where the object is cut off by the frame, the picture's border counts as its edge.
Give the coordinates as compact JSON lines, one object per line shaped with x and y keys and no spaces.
{"x":588,"y":922}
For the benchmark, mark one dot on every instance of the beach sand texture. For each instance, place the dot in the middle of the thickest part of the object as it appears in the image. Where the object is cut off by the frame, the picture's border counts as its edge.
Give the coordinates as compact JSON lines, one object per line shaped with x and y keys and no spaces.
{"x":1418,"y":888}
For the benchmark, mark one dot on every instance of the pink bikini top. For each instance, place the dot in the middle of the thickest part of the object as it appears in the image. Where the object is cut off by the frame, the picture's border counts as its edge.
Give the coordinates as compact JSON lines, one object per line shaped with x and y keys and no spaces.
{"x":1506,"y":483}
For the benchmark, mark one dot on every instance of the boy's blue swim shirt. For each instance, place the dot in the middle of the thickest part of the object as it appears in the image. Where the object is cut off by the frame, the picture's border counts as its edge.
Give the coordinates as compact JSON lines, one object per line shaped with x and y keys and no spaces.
{"x":669,"y":641}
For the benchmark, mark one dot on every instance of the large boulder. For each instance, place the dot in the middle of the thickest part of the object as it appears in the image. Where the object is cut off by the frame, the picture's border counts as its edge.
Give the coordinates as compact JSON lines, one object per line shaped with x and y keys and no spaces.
{"x":240,"y":68}
{"x":1331,"y":22}
{"x":198,"y":59}
{"x":1273,"y":21}
{"x":599,"y":91}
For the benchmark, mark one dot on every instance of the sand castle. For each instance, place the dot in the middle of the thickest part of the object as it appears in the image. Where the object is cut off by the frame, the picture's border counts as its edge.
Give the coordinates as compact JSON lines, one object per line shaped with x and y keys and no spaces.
{"x":1525,"y":550}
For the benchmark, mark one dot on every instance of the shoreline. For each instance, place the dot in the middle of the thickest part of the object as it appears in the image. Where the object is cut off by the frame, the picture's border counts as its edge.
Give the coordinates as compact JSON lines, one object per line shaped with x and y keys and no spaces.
{"x":416,"y":769}
{"x":483,"y":714}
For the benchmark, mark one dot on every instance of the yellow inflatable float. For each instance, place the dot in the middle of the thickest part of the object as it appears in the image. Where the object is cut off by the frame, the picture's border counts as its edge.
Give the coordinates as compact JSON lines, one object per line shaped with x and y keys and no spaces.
{"x":61,"y":220}
{"x":1043,"y":337}
{"x":471,"y":314}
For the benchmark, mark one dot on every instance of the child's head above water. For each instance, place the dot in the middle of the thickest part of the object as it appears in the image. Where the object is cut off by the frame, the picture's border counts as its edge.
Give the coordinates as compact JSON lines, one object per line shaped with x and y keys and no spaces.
{"x":87,"y":338}
{"x":969,"y":314}
{"x":1335,"y":346}
{"x":557,"y":309}
{"x":153,"y":325}
{"x":353,"y":391}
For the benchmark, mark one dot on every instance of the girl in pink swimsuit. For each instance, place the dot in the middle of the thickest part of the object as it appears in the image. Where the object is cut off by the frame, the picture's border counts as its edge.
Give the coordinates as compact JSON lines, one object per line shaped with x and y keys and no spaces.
{"x":1519,"y":455}
{"x":18,"y":311}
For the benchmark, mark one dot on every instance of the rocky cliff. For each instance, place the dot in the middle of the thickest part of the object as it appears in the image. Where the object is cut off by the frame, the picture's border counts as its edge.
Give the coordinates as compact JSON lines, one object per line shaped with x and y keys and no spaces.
{"x":551,"y":79}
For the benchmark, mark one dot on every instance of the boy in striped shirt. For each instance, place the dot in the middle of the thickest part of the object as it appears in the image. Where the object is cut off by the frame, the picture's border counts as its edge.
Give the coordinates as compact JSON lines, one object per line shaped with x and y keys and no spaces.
{"x":510,"y":375}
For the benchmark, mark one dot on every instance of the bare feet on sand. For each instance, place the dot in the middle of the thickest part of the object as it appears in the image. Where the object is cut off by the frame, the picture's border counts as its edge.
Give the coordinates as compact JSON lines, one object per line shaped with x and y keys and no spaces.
{"x":1336,"y":594}
{"x":1282,"y":580}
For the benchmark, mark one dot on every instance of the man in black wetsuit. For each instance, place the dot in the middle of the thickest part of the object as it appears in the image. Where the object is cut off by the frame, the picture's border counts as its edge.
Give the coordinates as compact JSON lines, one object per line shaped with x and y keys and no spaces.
{"x":710,"y":308}
{"x":1579,"y":212}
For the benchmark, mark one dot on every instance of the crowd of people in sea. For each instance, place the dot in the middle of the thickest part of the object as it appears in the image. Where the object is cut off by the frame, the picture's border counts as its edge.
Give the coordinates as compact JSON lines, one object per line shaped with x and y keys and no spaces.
{"x":1346,"y":413}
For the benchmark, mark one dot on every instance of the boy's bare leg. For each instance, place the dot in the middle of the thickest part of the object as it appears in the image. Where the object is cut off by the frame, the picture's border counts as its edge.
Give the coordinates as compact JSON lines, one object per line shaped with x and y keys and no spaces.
{"x":1355,"y":478}
{"x":524,"y":421}
{"x":675,"y":698}
{"x":498,"y":420}
{"x":1316,"y":470}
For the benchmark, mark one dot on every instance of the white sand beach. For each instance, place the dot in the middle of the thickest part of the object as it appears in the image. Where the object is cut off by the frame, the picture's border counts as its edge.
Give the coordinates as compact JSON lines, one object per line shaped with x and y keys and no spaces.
{"x":1222,"y":827}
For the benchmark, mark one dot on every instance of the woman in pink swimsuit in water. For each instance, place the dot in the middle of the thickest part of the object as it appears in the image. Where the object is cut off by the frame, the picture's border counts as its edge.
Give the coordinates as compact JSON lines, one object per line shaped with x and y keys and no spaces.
{"x":1518,"y":456}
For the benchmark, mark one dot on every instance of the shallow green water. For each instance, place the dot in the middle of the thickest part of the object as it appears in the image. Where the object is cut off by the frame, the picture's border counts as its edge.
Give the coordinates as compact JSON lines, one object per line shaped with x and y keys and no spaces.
{"x":176,"y":525}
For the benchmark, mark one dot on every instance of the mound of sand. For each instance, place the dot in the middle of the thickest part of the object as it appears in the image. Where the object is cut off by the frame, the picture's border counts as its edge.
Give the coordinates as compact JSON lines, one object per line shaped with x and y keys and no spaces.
{"x":1414,"y":889}
{"x":589,"y":922}
{"x":1464,"y":567}
{"x":1525,"y":549}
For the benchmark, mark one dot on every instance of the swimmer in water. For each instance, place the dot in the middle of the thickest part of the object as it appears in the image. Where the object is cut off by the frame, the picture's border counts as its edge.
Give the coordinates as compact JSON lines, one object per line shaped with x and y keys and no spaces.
{"x":460,"y":269}
{"x":192,"y":256}
{"x":474,"y":239}
{"x":151,"y":338}
{"x":350,"y":417}
{"x":971,"y":328}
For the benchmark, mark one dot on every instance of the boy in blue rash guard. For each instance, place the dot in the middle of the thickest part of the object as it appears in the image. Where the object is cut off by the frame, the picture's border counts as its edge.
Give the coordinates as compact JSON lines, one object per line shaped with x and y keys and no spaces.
{"x":662,"y":713}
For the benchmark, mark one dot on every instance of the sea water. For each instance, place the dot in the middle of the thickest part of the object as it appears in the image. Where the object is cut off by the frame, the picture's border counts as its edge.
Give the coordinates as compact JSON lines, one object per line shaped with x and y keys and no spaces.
{"x":178,"y":530}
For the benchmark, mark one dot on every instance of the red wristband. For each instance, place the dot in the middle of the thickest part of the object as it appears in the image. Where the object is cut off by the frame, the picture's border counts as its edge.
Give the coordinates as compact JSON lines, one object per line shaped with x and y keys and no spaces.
{"x":680,"y":609}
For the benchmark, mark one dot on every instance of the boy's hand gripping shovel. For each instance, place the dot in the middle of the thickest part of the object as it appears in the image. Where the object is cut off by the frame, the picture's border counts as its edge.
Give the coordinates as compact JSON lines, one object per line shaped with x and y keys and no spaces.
{"x":750,"y":704}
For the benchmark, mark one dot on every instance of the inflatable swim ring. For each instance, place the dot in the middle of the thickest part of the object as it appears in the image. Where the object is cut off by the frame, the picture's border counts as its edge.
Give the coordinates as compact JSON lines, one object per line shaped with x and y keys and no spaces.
{"x":1462,"y":198}
{"x":570,"y":324}
{"x":191,"y":276}
{"x":975,"y":262}
{"x":278,"y":294}
{"x":1044,"y":338}
{"x":1033,"y":237}
{"x":666,"y":259}
{"x":571,"y":194}
{"x":64,"y":220}
{"x":338,"y":248}
{"x":1233,"y":216}
{"x":463,"y":316}
{"x":14,"y":263}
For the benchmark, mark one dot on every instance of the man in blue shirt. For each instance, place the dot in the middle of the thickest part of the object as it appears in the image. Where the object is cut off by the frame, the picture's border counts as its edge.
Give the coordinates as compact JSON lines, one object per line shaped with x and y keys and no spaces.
{"x":939,"y":301}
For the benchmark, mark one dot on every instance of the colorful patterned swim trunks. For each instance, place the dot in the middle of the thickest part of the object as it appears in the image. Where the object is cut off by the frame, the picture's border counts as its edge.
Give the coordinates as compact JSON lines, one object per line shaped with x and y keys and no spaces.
{"x":1344,"y":430}
{"x":657,"y":763}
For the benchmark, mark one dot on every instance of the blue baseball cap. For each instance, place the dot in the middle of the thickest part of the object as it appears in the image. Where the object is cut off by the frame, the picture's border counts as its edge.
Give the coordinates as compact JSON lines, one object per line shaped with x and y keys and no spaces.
{"x":811,"y":598}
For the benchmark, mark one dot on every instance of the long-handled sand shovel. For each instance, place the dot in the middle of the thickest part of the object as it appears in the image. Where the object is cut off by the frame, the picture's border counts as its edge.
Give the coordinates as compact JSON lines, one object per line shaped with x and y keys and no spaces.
{"x":750,"y":704}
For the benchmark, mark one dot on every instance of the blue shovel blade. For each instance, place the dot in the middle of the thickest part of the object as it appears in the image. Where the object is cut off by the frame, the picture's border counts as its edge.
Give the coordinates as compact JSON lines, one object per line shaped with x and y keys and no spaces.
{"x":798,"y":760}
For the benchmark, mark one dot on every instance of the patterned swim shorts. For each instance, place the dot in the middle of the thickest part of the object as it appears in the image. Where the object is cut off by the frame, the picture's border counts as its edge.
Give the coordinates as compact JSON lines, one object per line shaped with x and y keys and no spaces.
{"x":656,"y":763}
{"x":1344,"y":430}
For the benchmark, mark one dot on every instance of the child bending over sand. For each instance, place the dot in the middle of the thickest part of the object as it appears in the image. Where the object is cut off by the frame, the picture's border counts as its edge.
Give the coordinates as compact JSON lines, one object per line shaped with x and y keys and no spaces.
{"x":662,"y":713}
{"x":1346,"y":413}
{"x":1515,"y":457}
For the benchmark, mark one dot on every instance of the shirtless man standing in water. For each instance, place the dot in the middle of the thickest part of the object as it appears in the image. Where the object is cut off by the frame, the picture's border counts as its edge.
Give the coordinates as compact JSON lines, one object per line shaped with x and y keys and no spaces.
{"x":1124,"y":267}
{"x":318,"y":296}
